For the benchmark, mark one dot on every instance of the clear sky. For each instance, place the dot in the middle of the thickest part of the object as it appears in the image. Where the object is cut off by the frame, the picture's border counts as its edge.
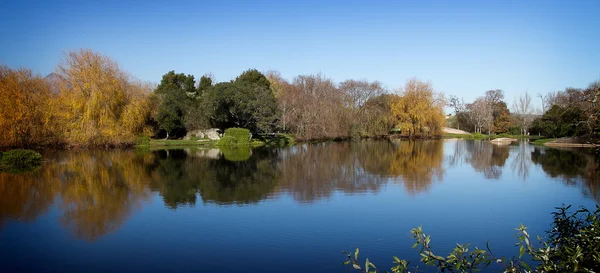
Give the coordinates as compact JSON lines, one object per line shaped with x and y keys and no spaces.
{"x":463,"y":47}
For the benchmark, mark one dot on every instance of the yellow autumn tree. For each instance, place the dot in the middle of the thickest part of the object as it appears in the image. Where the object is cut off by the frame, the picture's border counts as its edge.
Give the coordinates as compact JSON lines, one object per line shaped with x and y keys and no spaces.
{"x":25,"y":115}
{"x":418,"y":111}
{"x":98,"y":103}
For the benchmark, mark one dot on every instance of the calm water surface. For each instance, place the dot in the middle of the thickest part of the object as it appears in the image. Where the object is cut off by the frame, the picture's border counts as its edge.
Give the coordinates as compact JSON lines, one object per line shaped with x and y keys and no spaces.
{"x":280,"y":210}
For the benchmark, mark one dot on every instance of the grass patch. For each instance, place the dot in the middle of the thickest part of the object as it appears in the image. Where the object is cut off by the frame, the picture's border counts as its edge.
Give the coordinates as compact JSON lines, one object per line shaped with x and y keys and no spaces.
{"x":176,"y":142}
{"x":542,"y":141}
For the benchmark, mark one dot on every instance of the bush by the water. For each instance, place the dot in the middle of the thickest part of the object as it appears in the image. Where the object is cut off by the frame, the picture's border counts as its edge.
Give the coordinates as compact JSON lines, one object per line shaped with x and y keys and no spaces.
{"x":143,"y":141}
{"x":235,"y":137}
{"x":573,"y":245}
{"x":19,"y":160}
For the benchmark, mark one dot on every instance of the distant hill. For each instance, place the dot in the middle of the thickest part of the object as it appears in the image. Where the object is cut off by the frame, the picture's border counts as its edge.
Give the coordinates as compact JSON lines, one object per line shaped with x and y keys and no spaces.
{"x":54,"y":80}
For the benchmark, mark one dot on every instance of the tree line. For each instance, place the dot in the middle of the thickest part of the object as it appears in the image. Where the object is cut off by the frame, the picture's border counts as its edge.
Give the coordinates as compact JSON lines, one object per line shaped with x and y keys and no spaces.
{"x":573,"y":112}
{"x":90,"y":101}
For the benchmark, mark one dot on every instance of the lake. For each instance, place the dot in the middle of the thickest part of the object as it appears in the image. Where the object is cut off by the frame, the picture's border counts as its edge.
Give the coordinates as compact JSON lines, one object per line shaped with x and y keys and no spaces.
{"x":290,"y":209}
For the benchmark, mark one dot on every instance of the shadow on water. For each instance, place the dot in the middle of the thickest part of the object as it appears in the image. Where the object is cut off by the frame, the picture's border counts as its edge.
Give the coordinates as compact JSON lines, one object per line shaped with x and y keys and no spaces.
{"x":95,"y":192}
{"x":574,"y":167}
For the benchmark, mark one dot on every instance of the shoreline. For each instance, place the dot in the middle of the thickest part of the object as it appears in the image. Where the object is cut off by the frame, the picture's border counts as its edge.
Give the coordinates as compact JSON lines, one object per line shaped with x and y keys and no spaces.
{"x":575,"y":145}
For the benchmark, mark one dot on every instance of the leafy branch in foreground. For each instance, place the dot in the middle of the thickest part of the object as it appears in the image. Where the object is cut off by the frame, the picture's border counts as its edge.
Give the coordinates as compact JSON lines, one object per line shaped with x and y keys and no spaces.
{"x":573,"y":245}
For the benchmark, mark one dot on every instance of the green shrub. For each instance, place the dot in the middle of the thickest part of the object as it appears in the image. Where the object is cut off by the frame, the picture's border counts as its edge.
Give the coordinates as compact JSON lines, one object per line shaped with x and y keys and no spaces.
{"x":241,"y":135}
{"x":235,"y":137}
{"x":227,"y":141}
{"x":143,"y":141}
{"x":20,"y":160}
{"x":573,"y":245}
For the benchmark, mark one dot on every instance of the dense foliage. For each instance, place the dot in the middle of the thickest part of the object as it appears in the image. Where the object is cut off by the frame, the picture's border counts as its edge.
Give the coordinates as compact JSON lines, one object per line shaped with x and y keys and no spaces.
{"x":89,"y":101}
{"x":26,"y":109}
{"x":573,"y":245}
{"x":176,"y":93}
{"x":419,"y":110}
{"x":99,"y":104}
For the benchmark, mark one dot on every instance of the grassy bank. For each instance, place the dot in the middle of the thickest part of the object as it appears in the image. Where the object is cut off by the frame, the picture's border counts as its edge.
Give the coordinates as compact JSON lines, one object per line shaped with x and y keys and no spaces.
{"x":482,"y":136}
{"x":467,"y":136}
{"x":177,"y":142}
{"x":542,"y":141}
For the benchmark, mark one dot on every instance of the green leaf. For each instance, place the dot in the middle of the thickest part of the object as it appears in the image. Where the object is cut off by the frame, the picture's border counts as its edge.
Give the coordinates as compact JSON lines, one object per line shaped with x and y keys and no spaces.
{"x":347,"y":262}
{"x":356,"y":254}
{"x":356,"y":266}
{"x":521,"y":251}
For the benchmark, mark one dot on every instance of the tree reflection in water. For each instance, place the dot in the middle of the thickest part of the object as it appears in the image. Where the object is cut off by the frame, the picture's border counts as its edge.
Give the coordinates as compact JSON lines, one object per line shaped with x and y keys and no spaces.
{"x":577,"y":167}
{"x":415,"y":164}
{"x":97,"y":191}
{"x":486,"y":157}
{"x":522,"y":160}
{"x":179,"y":176}
{"x":313,"y":171}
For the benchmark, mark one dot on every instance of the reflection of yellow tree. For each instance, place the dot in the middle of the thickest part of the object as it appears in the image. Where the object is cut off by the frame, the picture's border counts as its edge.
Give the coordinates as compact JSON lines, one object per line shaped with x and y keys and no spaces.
{"x":418,"y":163}
{"x":24,"y":196}
{"x":98,"y":190}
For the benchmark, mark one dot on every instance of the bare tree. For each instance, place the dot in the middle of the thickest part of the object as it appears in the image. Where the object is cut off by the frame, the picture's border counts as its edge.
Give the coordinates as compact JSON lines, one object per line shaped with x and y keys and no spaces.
{"x":543,"y":98}
{"x":524,"y":112}
{"x":360,"y":91}
{"x":550,"y":99}
{"x":319,"y":108}
{"x":494,"y":98}
{"x":480,"y":114}
{"x":356,"y":94}
{"x":459,"y":107}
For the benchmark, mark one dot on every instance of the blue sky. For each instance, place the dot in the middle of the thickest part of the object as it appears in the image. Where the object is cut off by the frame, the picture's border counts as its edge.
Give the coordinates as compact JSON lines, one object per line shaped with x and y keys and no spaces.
{"x":463,"y":47}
